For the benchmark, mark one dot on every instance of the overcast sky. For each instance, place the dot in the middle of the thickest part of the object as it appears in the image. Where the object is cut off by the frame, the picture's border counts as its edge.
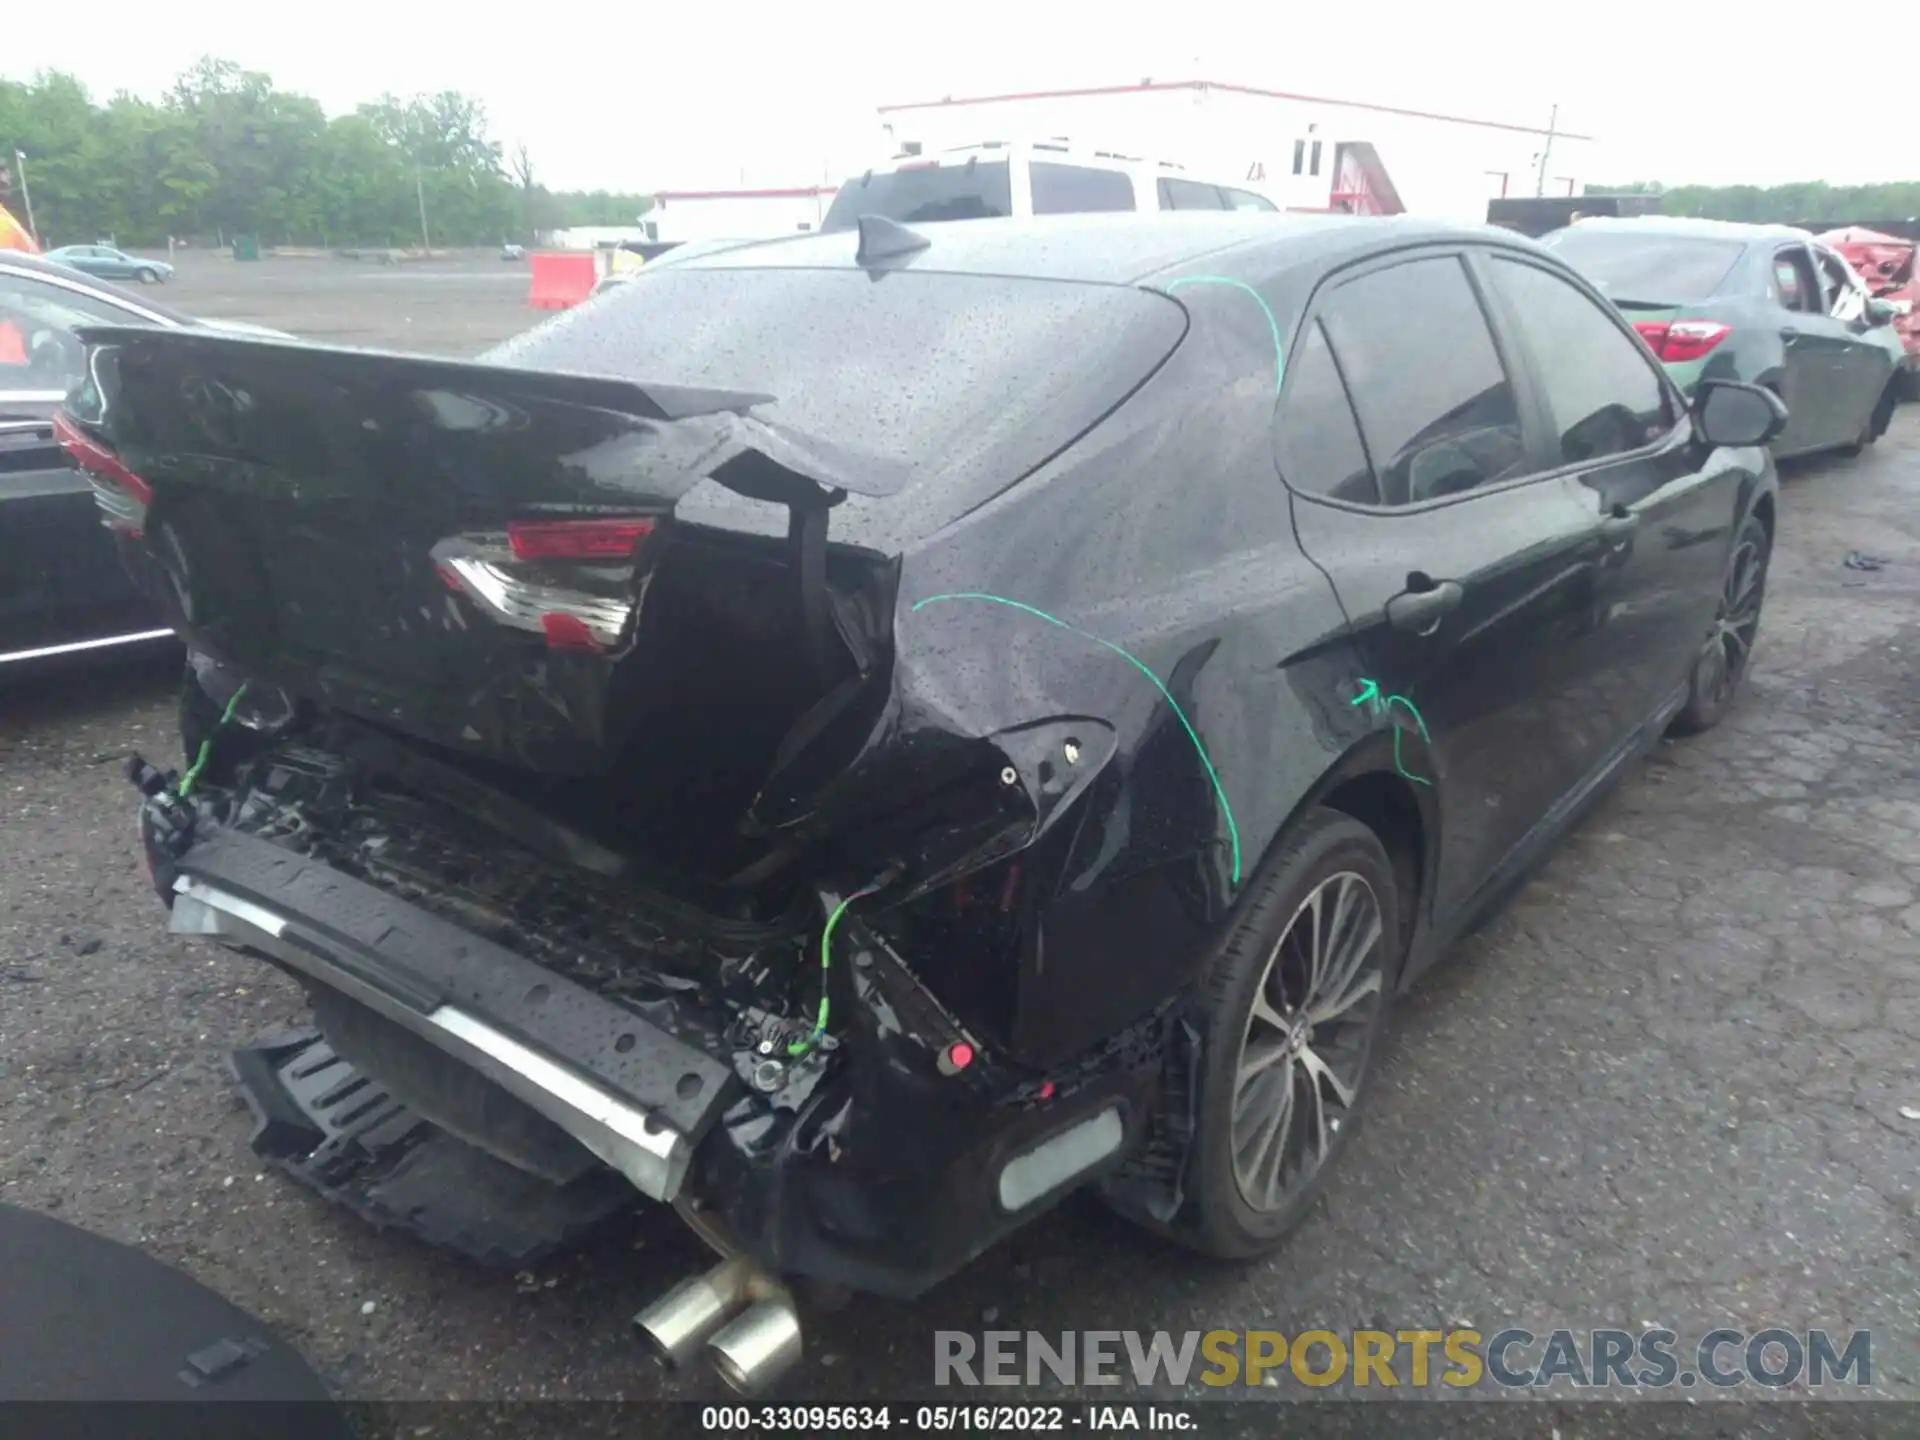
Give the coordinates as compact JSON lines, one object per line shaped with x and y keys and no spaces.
{"x":654,"y":96}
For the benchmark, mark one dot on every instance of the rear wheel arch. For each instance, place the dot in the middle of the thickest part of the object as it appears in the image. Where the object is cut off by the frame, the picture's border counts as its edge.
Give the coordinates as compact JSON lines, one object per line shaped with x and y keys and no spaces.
{"x":1389,"y":805}
{"x":1368,"y":785}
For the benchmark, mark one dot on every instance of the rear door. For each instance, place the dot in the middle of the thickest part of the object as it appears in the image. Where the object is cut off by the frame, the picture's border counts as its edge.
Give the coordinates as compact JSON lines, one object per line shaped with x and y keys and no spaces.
{"x":1469,"y":580}
{"x":1618,"y":426}
{"x":1866,"y":364}
{"x":1815,"y":352}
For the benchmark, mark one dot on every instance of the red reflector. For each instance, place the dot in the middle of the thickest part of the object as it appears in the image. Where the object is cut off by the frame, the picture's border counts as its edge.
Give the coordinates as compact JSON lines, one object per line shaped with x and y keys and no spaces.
{"x":959,"y":1055}
{"x":1046,"y":1090}
{"x":90,"y":455}
{"x":567,"y":632}
{"x":599,"y":539}
{"x":450,"y":578}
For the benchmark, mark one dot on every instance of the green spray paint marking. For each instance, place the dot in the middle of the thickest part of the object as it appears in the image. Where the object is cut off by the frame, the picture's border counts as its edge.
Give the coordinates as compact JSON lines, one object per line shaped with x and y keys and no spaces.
{"x":192,"y":777}
{"x":1379,"y":705}
{"x":1219,"y":791}
{"x":1279,"y":351}
{"x":801,"y":1047}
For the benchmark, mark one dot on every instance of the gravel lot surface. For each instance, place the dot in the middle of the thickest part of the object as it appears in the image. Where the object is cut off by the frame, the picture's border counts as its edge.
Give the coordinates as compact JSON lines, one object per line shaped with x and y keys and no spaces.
{"x":1674,"y":1082}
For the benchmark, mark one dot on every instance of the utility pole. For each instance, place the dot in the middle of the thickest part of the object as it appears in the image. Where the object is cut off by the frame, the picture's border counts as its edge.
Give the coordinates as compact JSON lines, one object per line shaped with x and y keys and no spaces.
{"x":1546,"y":152}
{"x":26,"y":194}
{"x":420,"y":194}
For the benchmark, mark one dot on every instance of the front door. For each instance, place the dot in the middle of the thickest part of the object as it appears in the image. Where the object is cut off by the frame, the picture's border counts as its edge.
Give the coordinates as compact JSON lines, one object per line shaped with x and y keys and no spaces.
{"x":1470,"y":586}
{"x":1616,"y":422}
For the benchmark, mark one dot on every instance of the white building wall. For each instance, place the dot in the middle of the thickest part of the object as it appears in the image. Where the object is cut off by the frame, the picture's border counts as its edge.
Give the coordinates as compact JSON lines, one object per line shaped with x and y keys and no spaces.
{"x":1442,"y":168}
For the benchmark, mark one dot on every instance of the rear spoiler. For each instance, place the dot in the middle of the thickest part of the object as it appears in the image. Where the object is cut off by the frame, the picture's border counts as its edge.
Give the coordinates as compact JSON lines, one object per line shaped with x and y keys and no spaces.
{"x":318,"y":420}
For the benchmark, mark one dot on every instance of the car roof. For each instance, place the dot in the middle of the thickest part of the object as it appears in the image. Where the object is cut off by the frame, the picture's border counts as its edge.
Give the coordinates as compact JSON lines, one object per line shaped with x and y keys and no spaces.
{"x":1688,"y":227}
{"x":23,"y":263}
{"x":1113,"y":249}
{"x":1073,"y":151}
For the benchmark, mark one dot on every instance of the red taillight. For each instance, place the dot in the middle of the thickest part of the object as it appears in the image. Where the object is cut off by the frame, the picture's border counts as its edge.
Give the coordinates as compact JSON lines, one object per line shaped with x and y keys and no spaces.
{"x":1678,"y":340}
{"x":90,"y":455}
{"x":595,"y":539}
{"x":1654,"y":332}
{"x":1690,"y":339}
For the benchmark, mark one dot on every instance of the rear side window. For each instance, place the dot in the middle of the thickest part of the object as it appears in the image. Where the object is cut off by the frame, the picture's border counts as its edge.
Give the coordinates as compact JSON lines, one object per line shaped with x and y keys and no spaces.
{"x":971,"y":190}
{"x":1606,"y":397}
{"x":1319,"y":439}
{"x":1079,"y":189}
{"x":1189,"y":195}
{"x":1435,"y":405}
{"x":1646,"y":267}
{"x":1794,"y":283}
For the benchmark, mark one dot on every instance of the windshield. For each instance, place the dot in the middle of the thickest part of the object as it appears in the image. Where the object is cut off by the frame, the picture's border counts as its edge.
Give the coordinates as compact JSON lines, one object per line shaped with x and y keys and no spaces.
{"x":966,"y":190}
{"x":964,"y":382}
{"x":1647,"y":267}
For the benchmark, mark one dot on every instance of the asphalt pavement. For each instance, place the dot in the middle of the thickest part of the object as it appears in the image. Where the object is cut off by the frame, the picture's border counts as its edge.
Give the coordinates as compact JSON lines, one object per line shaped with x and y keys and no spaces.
{"x":1676,"y":1082}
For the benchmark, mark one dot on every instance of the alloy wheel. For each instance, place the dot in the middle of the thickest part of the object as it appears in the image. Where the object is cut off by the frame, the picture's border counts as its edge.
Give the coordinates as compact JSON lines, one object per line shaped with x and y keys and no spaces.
{"x":1307,"y":1039}
{"x":1723,"y":659}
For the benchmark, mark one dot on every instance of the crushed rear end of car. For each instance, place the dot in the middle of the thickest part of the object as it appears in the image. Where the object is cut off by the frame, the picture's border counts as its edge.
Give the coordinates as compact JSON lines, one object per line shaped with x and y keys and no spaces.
{"x":550,"y":729}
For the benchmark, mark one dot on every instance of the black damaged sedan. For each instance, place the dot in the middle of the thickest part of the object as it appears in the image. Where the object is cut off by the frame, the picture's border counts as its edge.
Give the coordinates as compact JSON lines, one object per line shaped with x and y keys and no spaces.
{"x":856,"y":736}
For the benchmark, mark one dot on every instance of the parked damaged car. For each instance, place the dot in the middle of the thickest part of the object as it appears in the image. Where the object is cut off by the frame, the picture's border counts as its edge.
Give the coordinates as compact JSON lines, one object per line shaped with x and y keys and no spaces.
{"x":1765,"y":304}
{"x":1885,"y":264}
{"x":860,"y":735}
{"x":63,"y":591}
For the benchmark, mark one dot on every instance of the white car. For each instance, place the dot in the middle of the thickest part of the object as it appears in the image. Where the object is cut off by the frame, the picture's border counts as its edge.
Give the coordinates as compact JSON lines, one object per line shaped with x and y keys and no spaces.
{"x":997,"y":178}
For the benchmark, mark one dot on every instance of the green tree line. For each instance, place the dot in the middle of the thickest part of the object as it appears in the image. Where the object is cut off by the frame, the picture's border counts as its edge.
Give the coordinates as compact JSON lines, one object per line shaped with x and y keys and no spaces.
{"x":224,"y":152}
{"x":1810,"y":200}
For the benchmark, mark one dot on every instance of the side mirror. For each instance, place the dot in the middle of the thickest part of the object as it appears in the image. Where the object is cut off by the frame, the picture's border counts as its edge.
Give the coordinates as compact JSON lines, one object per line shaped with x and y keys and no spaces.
{"x":1730,"y":412}
{"x":1881,"y":312}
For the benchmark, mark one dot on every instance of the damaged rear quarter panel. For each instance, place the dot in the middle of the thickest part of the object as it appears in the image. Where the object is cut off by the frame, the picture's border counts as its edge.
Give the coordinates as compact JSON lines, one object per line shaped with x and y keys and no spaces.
{"x":1148,"y":581}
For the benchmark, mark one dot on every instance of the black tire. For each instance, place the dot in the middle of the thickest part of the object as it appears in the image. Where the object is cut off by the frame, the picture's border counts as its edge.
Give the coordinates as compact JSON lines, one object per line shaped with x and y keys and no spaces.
{"x":1720,"y":667}
{"x":1877,"y":420}
{"x":1883,"y":410}
{"x":149,"y":277}
{"x":1327,"y":855}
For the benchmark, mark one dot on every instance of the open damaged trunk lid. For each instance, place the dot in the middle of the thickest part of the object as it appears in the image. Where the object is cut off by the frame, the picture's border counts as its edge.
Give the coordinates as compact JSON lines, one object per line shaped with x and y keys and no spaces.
{"x":458,"y":550}
{"x":484,"y":555}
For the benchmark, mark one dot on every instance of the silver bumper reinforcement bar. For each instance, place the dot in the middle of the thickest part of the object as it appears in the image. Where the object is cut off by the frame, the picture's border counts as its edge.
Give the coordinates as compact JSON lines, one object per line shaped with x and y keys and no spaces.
{"x":638,"y":1144}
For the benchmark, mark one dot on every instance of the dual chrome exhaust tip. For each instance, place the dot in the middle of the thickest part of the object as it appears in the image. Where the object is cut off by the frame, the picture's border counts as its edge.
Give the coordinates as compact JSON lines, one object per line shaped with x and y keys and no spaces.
{"x":739,"y":1316}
